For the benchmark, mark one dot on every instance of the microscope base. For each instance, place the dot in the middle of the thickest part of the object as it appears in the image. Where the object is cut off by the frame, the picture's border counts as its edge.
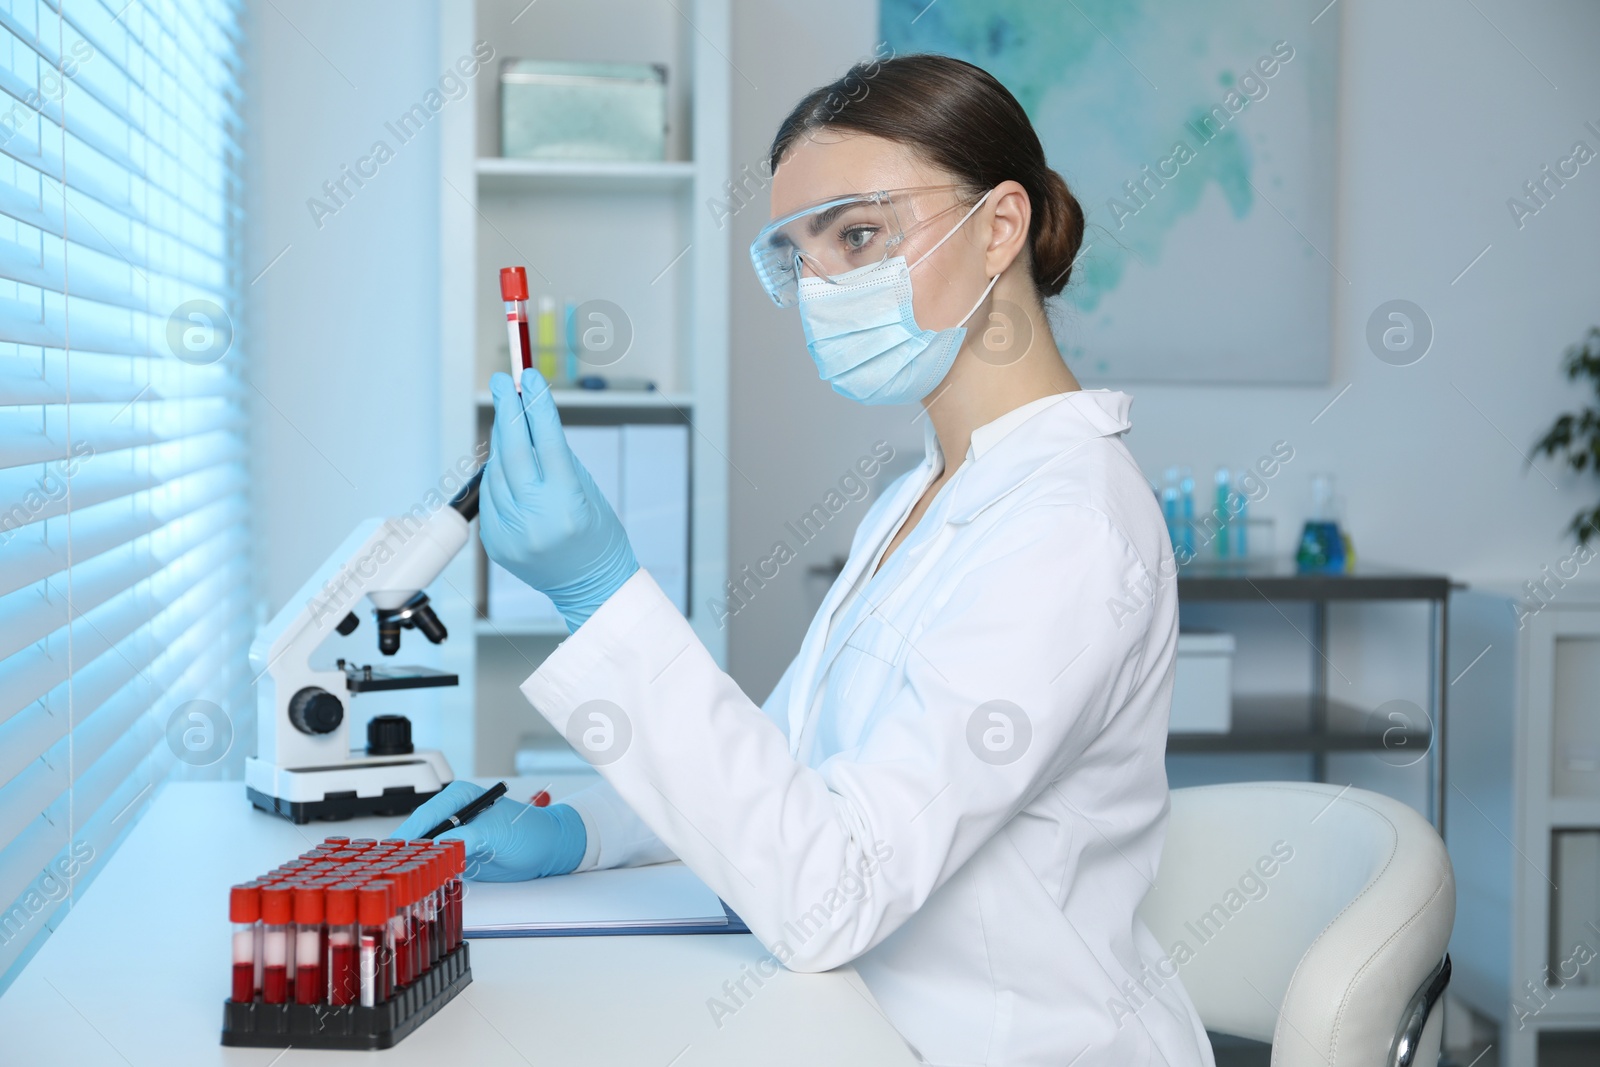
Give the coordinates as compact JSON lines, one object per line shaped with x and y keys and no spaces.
{"x":335,"y":808}
{"x":364,"y":786}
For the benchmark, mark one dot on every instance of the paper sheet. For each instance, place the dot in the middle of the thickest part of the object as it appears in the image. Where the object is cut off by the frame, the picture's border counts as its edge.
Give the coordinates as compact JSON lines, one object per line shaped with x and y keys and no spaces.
{"x":663,"y":894}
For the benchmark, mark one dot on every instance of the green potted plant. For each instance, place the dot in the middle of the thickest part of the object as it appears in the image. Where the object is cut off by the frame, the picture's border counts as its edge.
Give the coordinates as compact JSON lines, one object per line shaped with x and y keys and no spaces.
{"x":1577,"y":437}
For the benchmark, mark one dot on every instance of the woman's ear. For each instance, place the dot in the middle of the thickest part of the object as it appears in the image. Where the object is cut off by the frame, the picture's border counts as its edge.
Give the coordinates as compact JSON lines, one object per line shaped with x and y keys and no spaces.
{"x":1008,"y":226}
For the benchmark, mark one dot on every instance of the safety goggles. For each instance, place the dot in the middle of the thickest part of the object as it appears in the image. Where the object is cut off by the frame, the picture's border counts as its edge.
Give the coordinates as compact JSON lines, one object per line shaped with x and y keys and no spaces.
{"x":837,"y":236}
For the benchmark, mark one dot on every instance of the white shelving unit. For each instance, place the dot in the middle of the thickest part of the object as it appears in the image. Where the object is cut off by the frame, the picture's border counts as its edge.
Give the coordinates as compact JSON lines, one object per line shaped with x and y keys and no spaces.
{"x":1524,"y":740}
{"x":615,"y":400}
{"x":539,"y":176}
{"x":639,"y":235}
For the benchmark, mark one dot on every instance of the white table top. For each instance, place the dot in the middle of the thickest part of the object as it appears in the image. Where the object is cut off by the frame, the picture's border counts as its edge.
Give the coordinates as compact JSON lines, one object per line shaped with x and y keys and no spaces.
{"x":138,"y":971}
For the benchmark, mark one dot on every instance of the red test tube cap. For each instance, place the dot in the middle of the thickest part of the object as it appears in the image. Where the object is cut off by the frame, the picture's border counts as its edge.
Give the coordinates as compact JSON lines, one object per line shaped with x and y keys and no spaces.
{"x":513,"y":283}
{"x":277,"y":905}
{"x":339,"y":904}
{"x":458,"y":849}
{"x":422,"y":875}
{"x":396,"y":874}
{"x":417,"y":886}
{"x":335,"y":842}
{"x":443,"y":865}
{"x":308,"y":905}
{"x":244,"y":903}
{"x":373,"y":905}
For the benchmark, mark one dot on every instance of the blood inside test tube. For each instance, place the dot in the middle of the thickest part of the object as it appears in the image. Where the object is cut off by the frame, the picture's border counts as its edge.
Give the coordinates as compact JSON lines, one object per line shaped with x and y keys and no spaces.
{"x":344,"y":980}
{"x":277,"y":915}
{"x":425,"y":912}
{"x":401,"y":927}
{"x":455,"y":891}
{"x":244,"y":910}
{"x":417,"y":915}
{"x":372,"y":951}
{"x":308,"y":951}
{"x":514,"y":291}
{"x":399,"y":942}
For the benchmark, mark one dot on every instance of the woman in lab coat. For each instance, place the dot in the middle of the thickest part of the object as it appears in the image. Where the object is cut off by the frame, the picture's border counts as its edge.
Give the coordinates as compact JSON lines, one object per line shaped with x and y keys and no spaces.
{"x":958,"y":784}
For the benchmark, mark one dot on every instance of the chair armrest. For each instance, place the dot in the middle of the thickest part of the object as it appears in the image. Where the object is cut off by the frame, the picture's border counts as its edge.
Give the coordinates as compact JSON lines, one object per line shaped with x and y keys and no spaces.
{"x":1406,"y":1040}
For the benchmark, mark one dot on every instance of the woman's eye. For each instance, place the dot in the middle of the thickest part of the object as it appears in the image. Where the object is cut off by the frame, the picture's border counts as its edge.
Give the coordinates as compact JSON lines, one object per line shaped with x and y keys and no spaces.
{"x":857,"y":237}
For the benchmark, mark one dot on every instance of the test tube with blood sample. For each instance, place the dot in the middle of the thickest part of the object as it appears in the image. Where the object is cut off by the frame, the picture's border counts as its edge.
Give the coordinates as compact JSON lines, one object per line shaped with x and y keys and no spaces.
{"x":408,"y":958}
{"x":421,"y":911}
{"x":277,"y":915}
{"x":402,"y":950}
{"x":244,"y":910}
{"x":425,"y":859}
{"x":457,"y":867}
{"x":372,"y":952}
{"x":391,"y":947}
{"x":344,"y":980}
{"x":442,"y":862}
{"x":261,"y":933}
{"x":428,"y":870}
{"x":308,"y":945}
{"x":514,"y":291}
{"x":417,"y":913}
{"x":413,"y":961}
{"x":427,"y":908}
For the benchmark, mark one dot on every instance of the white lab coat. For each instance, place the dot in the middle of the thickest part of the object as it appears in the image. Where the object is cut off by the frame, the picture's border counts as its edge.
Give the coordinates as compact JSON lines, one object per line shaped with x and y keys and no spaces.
{"x":981,"y":872}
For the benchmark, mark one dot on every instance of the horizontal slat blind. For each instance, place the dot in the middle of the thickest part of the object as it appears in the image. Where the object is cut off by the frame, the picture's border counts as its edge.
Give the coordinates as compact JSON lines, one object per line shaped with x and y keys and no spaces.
{"x":125,"y":585}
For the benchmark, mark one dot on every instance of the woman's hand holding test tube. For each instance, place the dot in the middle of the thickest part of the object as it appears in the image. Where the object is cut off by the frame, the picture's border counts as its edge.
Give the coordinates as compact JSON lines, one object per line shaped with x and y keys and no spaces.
{"x":540,"y":515}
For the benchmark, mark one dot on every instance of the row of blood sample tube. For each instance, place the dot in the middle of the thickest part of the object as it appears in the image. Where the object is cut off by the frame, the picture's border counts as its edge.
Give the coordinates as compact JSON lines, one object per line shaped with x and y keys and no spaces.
{"x":348,"y":922}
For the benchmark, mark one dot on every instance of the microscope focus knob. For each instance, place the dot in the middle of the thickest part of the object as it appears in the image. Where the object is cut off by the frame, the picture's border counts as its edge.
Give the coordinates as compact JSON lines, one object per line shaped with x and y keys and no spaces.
{"x":315,"y":711}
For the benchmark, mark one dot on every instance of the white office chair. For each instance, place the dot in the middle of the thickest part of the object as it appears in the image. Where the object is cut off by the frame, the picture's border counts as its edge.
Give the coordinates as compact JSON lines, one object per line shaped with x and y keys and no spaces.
{"x":1314,"y":917}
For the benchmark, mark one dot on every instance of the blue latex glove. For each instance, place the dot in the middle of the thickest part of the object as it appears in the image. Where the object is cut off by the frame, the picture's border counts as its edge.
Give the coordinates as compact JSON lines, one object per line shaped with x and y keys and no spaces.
{"x":511,"y":842}
{"x":540,"y":515}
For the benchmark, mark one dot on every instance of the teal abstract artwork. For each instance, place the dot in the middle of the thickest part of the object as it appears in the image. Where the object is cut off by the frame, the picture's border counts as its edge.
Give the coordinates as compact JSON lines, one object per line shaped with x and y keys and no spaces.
{"x":1199,"y":139}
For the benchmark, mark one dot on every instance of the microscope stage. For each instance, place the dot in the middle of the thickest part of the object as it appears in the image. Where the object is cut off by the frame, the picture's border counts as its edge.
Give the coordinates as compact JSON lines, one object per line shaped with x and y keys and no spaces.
{"x":378,"y":679}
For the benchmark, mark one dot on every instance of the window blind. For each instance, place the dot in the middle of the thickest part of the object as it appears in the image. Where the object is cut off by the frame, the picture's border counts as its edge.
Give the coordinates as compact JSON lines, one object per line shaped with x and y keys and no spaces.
{"x":126,"y":605}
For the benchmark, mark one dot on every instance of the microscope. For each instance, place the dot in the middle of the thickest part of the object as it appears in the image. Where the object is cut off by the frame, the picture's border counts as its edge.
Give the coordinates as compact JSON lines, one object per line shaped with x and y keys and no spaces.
{"x":304,"y":767}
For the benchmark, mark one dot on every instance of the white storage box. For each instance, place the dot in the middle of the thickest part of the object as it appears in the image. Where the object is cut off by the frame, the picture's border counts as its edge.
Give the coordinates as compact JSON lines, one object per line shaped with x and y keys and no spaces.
{"x":1202,"y":691}
{"x":551,"y":109}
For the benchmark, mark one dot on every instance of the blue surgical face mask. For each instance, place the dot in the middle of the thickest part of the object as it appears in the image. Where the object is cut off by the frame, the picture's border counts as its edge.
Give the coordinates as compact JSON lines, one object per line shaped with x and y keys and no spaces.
{"x":863,"y":335}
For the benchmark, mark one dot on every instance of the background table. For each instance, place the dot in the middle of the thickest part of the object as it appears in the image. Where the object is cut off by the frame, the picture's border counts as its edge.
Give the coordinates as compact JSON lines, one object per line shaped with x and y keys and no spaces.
{"x":138,"y":971}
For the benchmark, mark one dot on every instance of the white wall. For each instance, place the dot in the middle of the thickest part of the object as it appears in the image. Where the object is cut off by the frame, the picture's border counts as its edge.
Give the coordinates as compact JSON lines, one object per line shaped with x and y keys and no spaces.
{"x":344,"y":328}
{"x":1442,"y":118}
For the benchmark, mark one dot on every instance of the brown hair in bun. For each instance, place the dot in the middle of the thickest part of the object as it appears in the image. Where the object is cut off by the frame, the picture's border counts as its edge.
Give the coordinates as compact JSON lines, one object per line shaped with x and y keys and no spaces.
{"x":961,"y":119}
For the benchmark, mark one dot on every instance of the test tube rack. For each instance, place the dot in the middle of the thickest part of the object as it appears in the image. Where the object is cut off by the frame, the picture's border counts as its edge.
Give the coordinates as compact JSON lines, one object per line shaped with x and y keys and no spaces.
{"x":348,"y":1026}
{"x":351,"y":945}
